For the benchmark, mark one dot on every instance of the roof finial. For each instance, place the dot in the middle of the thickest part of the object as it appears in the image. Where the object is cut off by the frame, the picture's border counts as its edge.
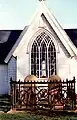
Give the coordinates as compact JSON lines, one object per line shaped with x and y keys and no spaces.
{"x":41,"y":0}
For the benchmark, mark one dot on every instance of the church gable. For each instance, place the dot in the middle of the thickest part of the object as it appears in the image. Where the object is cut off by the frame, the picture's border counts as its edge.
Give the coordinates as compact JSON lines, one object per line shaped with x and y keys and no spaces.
{"x":43,"y":20}
{"x":42,"y":49}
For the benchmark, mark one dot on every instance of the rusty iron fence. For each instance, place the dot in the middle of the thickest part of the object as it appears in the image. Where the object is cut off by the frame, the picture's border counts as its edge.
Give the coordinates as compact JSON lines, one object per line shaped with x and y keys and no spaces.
{"x":43,"y":95}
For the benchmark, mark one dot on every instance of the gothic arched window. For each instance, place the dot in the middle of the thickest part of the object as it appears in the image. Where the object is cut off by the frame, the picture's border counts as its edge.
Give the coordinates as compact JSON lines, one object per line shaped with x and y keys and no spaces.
{"x":43,"y":56}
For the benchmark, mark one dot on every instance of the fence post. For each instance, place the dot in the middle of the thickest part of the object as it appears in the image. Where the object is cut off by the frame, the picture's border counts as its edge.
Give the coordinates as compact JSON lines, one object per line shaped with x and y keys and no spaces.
{"x":48,"y":96}
{"x":14,"y":94}
{"x":31,"y":95}
{"x":34,"y":95}
{"x":19,"y":90}
{"x":11,"y":92}
{"x":74,"y":94}
{"x":67,"y":87}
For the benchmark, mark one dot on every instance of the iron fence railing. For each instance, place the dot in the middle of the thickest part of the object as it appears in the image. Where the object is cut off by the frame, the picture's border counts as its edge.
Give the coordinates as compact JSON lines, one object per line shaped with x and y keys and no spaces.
{"x":43,"y":95}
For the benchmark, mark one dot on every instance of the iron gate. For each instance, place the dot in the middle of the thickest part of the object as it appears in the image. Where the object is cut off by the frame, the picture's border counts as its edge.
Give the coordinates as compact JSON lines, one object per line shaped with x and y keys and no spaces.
{"x":41,"y":95}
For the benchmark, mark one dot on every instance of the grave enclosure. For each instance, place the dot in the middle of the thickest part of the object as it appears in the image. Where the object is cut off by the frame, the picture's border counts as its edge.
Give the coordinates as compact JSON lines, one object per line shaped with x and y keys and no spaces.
{"x":43,"y":95}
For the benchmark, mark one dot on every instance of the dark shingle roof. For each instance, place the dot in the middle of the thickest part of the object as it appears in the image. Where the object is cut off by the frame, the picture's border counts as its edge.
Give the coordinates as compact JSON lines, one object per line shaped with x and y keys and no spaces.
{"x":9,"y":37}
{"x":72,"y":33}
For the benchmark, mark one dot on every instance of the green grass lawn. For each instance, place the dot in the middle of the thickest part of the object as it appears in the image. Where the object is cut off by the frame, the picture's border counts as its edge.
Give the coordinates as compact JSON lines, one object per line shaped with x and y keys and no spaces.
{"x":33,"y":116}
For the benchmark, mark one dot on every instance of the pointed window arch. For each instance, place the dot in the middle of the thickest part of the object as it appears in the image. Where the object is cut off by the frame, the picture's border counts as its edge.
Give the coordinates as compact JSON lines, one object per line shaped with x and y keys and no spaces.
{"x":43,"y":56}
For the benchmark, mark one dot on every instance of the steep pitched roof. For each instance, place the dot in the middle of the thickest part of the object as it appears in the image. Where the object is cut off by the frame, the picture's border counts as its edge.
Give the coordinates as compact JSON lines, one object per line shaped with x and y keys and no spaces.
{"x":72,"y":33}
{"x":50,"y":21}
{"x":9,"y":37}
{"x":44,"y":19}
{"x":7,"y":40}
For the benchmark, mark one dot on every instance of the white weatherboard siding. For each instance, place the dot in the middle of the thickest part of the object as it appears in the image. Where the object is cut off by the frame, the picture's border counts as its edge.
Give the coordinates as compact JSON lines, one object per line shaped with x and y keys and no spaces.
{"x":3,"y":79}
{"x":43,"y":21}
{"x":12,"y":70}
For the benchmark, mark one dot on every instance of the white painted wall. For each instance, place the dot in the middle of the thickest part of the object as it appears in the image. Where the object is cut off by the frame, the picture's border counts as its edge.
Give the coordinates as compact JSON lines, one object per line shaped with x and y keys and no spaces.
{"x":6,"y":72}
{"x":12,"y":70}
{"x":23,"y":52}
{"x":3,"y":79}
{"x":19,"y":68}
{"x":73,"y":70}
{"x":64,"y":67}
{"x":22,"y":65}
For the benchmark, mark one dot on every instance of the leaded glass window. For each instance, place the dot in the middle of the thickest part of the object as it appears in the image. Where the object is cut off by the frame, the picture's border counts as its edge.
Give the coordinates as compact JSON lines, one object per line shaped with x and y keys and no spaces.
{"x":43,"y":56}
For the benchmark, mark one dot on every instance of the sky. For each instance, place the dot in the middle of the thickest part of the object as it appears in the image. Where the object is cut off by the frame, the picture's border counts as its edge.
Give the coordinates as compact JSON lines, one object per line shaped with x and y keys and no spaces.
{"x":16,"y":14}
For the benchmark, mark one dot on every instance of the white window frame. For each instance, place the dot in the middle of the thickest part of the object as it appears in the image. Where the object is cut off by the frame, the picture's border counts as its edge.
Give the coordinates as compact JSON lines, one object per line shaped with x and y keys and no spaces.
{"x":47,"y":45}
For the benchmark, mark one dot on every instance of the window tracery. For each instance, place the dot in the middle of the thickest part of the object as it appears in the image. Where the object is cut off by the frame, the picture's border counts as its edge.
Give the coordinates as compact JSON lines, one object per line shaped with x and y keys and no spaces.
{"x":43,"y":56}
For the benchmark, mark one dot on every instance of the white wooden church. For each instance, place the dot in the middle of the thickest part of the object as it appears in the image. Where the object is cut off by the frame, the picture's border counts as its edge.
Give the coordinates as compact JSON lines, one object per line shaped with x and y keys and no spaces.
{"x":42,"y":49}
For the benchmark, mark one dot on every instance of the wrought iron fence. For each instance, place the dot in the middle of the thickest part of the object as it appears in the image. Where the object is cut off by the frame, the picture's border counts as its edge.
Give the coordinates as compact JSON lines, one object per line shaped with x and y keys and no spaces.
{"x":43,"y":95}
